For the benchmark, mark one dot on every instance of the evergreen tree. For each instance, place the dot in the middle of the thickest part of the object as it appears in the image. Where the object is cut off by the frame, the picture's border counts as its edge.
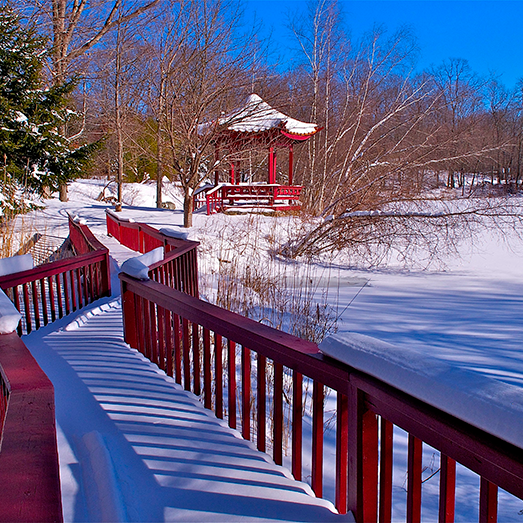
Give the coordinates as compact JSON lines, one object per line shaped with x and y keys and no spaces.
{"x":33,"y":153}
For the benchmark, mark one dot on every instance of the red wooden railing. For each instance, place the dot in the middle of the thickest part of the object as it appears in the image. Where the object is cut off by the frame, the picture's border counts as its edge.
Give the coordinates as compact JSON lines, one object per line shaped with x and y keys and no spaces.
{"x":29,"y":471}
{"x":55,"y":289}
{"x":179,"y":269}
{"x":284,"y":197}
{"x":240,"y":367}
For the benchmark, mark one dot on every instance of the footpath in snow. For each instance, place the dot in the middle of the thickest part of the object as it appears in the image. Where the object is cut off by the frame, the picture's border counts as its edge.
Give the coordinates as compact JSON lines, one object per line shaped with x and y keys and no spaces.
{"x":134,"y":446}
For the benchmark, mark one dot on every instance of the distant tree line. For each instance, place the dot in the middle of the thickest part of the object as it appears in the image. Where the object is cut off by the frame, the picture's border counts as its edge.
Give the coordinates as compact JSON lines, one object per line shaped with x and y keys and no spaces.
{"x":149,"y":73}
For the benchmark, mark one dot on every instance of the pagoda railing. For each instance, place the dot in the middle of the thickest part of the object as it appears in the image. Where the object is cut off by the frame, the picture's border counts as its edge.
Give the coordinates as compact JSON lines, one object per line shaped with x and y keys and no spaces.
{"x":281,"y":197}
{"x":255,"y":377}
{"x":52,"y":290}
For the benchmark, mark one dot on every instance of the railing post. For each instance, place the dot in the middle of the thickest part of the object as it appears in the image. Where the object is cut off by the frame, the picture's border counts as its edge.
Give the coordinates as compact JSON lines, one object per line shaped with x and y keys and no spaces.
{"x":363,"y":459}
{"x":488,"y":502}
{"x":129,"y":317}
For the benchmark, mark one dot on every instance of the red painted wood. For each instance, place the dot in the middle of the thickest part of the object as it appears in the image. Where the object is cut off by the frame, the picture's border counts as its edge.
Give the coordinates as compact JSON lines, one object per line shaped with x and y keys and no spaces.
{"x":231,"y":382}
{"x":218,"y":361}
{"x":317,"y":439}
{"x":66,"y":293}
{"x":129,"y":321}
{"x":73,"y":290}
{"x":81,"y":302}
{"x":447,"y":489}
{"x":246,"y":393}
{"x":196,"y":359}
{"x":177,"y":349}
{"x":186,"y":355}
{"x":160,"y":321}
{"x":369,"y":446}
{"x":29,"y":471}
{"x":58,"y":286}
{"x":386,"y":456}
{"x":51,"y":298}
{"x":169,"y":343}
{"x":28,"y":321}
{"x":488,"y":502}
{"x":207,"y":381}
{"x":16,"y":301}
{"x":34,"y":295}
{"x":261,"y":398}
{"x":342,"y":452}
{"x":297,"y":428}
{"x":414,"y":480}
{"x":277,"y":455}
{"x":43,"y":296}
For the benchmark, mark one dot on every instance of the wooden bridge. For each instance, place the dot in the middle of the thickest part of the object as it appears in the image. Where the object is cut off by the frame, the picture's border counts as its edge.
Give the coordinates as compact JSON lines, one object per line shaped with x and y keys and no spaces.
{"x":251,"y":376}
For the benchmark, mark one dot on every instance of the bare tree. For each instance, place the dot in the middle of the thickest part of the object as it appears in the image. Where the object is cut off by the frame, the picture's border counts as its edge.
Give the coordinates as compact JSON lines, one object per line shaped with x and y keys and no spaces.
{"x":205,"y":72}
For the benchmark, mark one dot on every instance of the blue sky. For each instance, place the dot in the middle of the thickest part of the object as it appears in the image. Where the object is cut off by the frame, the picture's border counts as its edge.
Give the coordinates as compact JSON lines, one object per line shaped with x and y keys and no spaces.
{"x":488,"y":34}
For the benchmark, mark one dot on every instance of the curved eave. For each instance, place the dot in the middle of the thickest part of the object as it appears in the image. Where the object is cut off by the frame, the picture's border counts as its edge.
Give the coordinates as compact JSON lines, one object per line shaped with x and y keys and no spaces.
{"x":300,"y":137}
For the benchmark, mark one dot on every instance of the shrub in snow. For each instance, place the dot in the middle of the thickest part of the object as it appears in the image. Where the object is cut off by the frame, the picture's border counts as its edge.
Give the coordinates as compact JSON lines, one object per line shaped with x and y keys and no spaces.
{"x":9,"y":316}
{"x":138,"y":267}
{"x":16,"y":264}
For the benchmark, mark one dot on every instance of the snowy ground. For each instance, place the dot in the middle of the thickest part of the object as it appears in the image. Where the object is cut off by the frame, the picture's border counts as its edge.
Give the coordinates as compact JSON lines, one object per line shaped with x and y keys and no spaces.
{"x":468,"y":315}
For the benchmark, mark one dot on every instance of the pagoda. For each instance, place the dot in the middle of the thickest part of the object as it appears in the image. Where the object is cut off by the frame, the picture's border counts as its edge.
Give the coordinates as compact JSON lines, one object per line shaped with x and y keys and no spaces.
{"x":252,"y":128}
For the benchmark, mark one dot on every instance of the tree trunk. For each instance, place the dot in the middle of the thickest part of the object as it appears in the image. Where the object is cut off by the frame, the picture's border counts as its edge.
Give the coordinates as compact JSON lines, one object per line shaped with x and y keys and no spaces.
{"x":63,"y":193}
{"x":188,"y":204}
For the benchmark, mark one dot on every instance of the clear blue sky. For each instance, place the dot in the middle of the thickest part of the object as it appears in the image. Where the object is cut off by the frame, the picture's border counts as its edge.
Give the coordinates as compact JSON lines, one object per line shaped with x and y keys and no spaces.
{"x":488,"y":34}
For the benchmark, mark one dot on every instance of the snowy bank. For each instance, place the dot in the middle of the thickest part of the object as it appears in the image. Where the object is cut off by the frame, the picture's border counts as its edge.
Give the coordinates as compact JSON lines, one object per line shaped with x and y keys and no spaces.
{"x":486,"y":403}
{"x":9,"y":315}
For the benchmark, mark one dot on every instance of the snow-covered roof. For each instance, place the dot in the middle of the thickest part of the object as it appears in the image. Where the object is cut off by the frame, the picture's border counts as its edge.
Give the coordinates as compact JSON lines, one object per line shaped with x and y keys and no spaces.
{"x":257,"y":115}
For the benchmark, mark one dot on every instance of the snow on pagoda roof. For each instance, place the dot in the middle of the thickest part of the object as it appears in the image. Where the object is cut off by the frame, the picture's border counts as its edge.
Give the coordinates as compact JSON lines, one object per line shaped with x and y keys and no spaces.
{"x":257,"y":115}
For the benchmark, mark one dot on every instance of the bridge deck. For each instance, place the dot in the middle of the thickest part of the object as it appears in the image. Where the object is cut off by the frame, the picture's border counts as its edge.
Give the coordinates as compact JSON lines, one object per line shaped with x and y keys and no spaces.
{"x":134,"y":446}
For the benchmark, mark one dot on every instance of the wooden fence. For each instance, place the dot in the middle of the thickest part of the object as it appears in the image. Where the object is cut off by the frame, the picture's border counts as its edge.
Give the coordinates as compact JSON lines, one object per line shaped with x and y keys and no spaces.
{"x":247,"y":372}
{"x":50,"y":291}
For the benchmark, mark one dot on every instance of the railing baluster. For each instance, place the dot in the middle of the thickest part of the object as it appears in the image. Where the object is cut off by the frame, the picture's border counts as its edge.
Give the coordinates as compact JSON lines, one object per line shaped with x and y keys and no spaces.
{"x":34,"y":292}
{"x":28,"y":322}
{"x":207,"y":369}
{"x":447,"y":489}
{"x":317,"y":438}
{"x":154,"y":334}
{"x":414,"y":480}
{"x":342,"y":452}
{"x":231,"y":382}
{"x":196,"y":358}
{"x":277,"y":455}
{"x":59,"y":296}
{"x":386,"y":448}
{"x":177,"y":349}
{"x":43,"y":297}
{"x":169,"y":343}
{"x":16,"y":298}
{"x":73,"y":290}
{"x":161,"y":314}
{"x":218,"y":361}
{"x":66,"y":293}
{"x":488,"y":502}
{"x":246,"y":393}
{"x":261,"y":388}
{"x":81,"y":301}
{"x":147,"y":329}
{"x":186,"y":355}
{"x":51,"y":297}
{"x":297,"y":415}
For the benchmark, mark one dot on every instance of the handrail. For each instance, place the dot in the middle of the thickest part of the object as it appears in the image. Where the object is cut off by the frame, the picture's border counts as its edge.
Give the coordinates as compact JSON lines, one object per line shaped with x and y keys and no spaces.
{"x":29,"y":471}
{"x":211,"y":351}
{"x":55,"y":289}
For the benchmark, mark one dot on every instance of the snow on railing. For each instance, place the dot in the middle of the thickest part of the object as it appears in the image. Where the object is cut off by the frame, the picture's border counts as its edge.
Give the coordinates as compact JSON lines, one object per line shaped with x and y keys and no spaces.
{"x":256,"y":377}
{"x":52,"y":290}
